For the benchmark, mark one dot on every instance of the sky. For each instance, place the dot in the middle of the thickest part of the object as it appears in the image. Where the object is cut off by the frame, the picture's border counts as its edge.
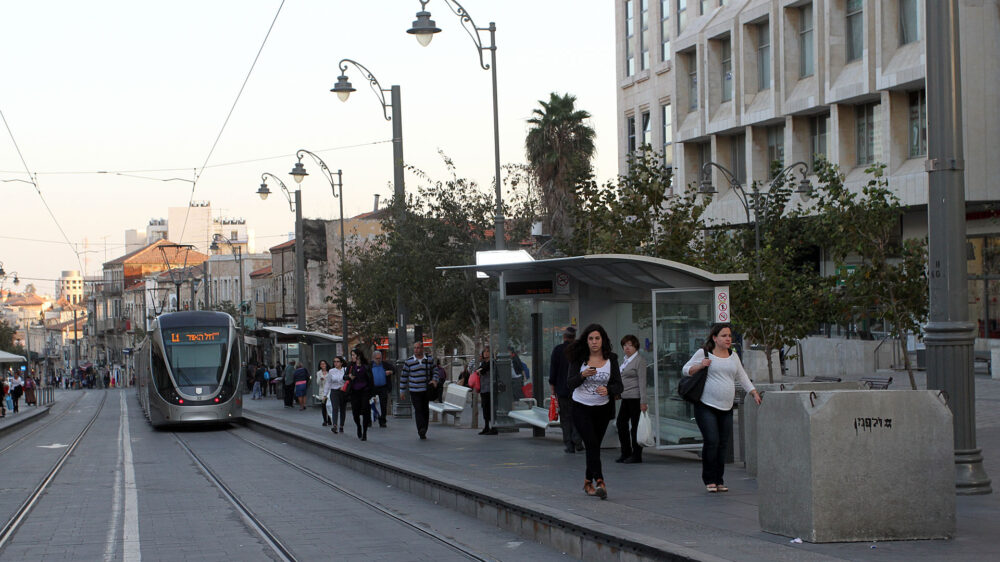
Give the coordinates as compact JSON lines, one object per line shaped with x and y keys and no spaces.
{"x":143,"y":88}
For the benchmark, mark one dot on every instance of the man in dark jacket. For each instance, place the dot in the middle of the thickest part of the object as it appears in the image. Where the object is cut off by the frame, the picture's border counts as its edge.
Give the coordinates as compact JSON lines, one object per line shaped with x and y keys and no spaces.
{"x":382,"y":377}
{"x":558,"y":371}
{"x":289,"y":383}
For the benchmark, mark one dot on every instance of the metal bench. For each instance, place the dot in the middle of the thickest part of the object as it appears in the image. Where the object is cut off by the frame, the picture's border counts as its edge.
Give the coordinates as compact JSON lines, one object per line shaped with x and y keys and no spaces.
{"x":534,"y":416}
{"x":877,"y":383}
{"x":454,"y":402}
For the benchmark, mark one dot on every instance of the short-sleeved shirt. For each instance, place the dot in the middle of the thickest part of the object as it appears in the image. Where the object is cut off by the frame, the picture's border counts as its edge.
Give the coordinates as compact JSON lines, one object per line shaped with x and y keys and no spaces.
{"x":586,"y":393}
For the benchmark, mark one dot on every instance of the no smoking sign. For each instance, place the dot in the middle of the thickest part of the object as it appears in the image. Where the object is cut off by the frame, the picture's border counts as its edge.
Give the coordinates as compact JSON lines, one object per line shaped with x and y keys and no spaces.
{"x":722,"y":304}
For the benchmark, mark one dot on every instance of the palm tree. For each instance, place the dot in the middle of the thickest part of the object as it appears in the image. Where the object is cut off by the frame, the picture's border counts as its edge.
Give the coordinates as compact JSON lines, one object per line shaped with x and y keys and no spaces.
{"x":559,"y":148}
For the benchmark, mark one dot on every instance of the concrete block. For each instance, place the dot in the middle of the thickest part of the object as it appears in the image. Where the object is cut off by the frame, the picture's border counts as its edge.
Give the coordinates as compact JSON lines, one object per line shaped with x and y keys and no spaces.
{"x":845,"y":465}
{"x":995,"y":362}
{"x":749,"y":419}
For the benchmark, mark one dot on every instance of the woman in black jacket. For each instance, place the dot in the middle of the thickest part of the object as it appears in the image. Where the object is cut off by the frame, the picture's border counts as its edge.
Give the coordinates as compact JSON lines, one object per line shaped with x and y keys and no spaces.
{"x":360,"y":375}
{"x":595,"y":379}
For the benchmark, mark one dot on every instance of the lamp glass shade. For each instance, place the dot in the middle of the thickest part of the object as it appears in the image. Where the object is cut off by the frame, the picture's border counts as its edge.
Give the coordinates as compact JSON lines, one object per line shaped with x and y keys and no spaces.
{"x":343,"y":94}
{"x":263,"y":191}
{"x":424,"y":38}
{"x":299,"y":172}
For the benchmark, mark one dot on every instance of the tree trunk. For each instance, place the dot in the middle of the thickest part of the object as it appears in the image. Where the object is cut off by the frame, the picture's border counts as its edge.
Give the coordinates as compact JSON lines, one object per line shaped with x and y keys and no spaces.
{"x":770,"y":363}
{"x":906,"y":362}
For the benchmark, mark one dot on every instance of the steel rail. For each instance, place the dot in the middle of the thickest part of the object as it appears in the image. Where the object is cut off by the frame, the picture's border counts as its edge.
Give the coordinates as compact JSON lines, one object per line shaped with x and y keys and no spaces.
{"x":272,"y":539}
{"x":12,"y":525}
{"x":43,"y":426}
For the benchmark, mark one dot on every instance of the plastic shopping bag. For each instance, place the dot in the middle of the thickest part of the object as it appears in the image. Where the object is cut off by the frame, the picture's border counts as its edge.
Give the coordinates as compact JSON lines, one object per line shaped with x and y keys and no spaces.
{"x":644,"y":432}
{"x":553,"y":409}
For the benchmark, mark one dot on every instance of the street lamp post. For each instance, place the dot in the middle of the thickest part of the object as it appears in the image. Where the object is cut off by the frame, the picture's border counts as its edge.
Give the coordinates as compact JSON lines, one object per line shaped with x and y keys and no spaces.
{"x":752,"y":200}
{"x":424,"y":29}
{"x":343,"y":90}
{"x":950,"y":336}
{"x":237,"y":252}
{"x":337,"y":186}
{"x":295,"y":205}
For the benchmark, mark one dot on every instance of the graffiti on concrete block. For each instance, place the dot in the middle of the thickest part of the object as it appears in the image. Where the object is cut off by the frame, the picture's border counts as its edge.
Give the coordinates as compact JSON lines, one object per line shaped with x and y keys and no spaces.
{"x":871,"y":424}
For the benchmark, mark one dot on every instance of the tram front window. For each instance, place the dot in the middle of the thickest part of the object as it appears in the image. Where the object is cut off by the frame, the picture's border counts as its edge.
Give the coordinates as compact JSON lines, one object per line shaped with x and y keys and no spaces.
{"x":196,"y":359}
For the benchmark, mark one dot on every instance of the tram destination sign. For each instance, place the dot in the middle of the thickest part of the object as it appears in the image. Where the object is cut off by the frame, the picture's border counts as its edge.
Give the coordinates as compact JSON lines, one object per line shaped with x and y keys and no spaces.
{"x":529,"y":288}
{"x":194,"y":336}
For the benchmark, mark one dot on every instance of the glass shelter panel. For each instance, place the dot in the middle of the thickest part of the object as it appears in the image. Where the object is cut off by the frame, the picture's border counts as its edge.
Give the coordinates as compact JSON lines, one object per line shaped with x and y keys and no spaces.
{"x":681,"y":321}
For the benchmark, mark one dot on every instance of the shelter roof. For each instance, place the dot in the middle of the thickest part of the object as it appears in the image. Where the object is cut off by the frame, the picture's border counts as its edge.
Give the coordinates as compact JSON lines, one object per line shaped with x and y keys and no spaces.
{"x":622,"y":271}
{"x":286,"y":335}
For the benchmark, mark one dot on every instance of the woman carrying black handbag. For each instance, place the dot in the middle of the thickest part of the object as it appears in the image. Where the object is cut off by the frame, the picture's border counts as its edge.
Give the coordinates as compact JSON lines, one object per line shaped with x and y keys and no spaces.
{"x":713,"y":410}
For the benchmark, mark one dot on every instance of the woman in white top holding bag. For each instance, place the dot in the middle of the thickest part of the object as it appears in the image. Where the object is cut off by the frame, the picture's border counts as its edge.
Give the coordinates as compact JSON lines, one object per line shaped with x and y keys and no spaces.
{"x":714,"y":411}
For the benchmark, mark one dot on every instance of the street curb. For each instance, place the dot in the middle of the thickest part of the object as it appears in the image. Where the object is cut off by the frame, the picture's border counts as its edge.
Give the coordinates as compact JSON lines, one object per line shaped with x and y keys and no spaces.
{"x":577,"y":536}
{"x":24,"y":417}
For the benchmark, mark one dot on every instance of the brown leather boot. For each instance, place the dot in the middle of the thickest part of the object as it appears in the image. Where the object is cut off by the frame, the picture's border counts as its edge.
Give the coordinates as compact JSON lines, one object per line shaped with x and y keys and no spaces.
{"x":601,"y":491}
{"x":588,"y":487}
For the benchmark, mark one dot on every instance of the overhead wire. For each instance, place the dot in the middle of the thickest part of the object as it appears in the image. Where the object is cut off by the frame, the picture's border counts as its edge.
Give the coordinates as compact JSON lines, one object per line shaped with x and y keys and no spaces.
{"x":194,"y":185}
{"x":34,"y":183}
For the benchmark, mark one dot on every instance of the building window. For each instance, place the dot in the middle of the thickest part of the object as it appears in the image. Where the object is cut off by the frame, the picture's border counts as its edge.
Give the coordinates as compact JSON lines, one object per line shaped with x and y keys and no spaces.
{"x":644,"y":34}
{"x":682,"y":6}
{"x":701,"y":7}
{"x":738,"y":157}
{"x":918,"y":124}
{"x":855,"y":38}
{"x":819,"y":128}
{"x":668,"y":135}
{"x":763,"y":56}
{"x":909,"y":21}
{"x":629,"y":34}
{"x":692,"y":82}
{"x":704,"y":156}
{"x":664,"y":30}
{"x":630,"y":130}
{"x":775,"y":149}
{"x":727,"y":70}
{"x":806,"y":49}
{"x":647,"y":129}
{"x":865,"y":118}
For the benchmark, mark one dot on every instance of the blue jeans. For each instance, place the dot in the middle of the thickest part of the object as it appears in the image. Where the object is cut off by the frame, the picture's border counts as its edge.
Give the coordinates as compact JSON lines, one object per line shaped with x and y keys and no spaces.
{"x":256,"y":391}
{"x":716,"y":431}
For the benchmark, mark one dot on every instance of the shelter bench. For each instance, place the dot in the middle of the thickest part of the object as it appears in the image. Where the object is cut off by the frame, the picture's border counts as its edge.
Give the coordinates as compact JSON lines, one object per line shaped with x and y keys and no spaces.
{"x":532,"y":415}
{"x":877,"y":383}
{"x":453,"y":402}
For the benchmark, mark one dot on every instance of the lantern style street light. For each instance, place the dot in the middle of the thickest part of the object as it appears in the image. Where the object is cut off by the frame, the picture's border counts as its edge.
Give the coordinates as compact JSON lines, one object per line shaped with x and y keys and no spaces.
{"x":237,"y":251}
{"x":337,"y":186}
{"x":755,"y":197}
{"x":424,"y":29}
{"x":294,"y":205}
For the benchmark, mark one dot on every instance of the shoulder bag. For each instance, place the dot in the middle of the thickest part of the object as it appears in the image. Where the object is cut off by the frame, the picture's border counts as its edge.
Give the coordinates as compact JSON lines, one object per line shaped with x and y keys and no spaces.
{"x":690,"y":387}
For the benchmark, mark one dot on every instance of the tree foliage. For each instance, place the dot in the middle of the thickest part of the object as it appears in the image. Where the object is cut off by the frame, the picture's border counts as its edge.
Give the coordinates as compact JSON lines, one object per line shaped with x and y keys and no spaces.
{"x":7,"y":333}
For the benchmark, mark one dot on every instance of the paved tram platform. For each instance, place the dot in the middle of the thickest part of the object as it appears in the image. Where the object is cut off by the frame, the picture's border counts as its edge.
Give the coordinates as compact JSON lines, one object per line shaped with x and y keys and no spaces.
{"x":657,"y":510}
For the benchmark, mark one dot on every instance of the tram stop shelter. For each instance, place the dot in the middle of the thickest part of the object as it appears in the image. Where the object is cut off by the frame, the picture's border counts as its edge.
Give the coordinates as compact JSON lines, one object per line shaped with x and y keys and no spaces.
{"x":308,"y":347}
{"x":669,"y":306}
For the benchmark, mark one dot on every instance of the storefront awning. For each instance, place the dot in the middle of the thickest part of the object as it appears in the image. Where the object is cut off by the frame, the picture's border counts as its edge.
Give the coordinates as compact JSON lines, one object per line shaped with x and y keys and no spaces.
{"x":11,"y":358}
{"x":293,"y":335}
{"x":621,"y":271}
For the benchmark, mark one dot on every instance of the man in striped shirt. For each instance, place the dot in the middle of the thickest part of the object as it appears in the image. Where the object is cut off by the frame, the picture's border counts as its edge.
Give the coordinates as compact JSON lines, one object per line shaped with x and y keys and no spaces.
{"x":418,"y":373}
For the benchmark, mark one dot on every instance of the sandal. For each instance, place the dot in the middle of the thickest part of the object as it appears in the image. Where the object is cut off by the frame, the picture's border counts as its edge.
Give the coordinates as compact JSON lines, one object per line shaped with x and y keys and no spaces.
{"x":711,"y":488}
{"x":721,"y":488}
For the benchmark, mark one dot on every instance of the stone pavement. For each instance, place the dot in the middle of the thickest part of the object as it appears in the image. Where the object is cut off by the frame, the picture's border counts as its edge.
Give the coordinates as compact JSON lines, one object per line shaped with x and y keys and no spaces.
{"x":661,"y":500}
{"x":11,"y":422}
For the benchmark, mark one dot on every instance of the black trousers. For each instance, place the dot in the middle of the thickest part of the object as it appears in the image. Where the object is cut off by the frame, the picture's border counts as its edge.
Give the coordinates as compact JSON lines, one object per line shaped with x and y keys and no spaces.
{"x":592,"y":422}
{"x":383,"y":402}
{"x":716,"y":430}
{"x":571,"y":437}
{"x":484,"y":399}
{"x":289,"y":394}
{"x":421,"y":411}
{"x":628,"y":425}
{"x":361,"y":412}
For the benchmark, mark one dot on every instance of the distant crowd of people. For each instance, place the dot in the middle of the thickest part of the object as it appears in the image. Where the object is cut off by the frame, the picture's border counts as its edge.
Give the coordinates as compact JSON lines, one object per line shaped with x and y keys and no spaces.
{"x":14,"y":387}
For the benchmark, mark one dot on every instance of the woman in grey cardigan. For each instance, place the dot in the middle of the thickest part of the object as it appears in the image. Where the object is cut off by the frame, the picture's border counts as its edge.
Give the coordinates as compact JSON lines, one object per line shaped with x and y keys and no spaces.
{"x":634,"y":400}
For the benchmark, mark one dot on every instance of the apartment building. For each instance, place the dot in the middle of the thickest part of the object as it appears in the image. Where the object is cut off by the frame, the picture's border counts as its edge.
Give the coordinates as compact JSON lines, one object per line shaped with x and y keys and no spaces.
{"x":745,"y":83}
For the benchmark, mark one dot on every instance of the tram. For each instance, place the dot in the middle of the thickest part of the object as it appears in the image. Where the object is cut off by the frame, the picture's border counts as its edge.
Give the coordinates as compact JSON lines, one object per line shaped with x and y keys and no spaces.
{"x":188,"y":369}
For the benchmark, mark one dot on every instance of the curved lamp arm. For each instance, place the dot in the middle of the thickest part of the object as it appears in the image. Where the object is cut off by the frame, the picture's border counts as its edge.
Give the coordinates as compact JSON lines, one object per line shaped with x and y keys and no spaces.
{"x":470,"y":28}
{"x":288,"y":194}
{"x":789,"y":168}
{"x":734,"y":183}
{"x":334,"y":183}
{"x":372,"y":81}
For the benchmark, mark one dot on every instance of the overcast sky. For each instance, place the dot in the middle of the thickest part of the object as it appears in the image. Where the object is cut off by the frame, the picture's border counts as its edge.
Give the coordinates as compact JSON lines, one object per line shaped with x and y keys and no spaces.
{"x":123,"y":86}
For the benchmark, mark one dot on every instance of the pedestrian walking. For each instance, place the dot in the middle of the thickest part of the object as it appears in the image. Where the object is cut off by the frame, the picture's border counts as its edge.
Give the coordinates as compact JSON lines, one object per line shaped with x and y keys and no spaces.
{"x":321,"y":375}
{"x":29,"y":391}
{"x":258,"y":376}
{"x":382,"y":372}
{"x":288,"y":378}
{"x":266,"y":381}
{"x":634,"y":400}
{"x":16,"y":390}
{"x":484,"y":386}
{"x":418,"y":377}
{"x":300,"y":378}
{"x":336,"y":404}
{"x":595,"y":379}
{"x":4,"y":396}
{"x":360,"y":376}
{"x":714,"y":411}
{"x":561,"y":393}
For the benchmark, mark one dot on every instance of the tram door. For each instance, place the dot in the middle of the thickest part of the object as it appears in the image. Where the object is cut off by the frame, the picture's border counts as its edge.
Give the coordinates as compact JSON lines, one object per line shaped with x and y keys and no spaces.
{"x":681,"y":321}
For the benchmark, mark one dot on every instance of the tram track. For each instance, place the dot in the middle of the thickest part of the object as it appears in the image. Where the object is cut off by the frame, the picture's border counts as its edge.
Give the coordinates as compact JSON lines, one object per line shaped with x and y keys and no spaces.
{"x":51,"y":421}
{"x":274,"y":541}
{"x":11,"y":526}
